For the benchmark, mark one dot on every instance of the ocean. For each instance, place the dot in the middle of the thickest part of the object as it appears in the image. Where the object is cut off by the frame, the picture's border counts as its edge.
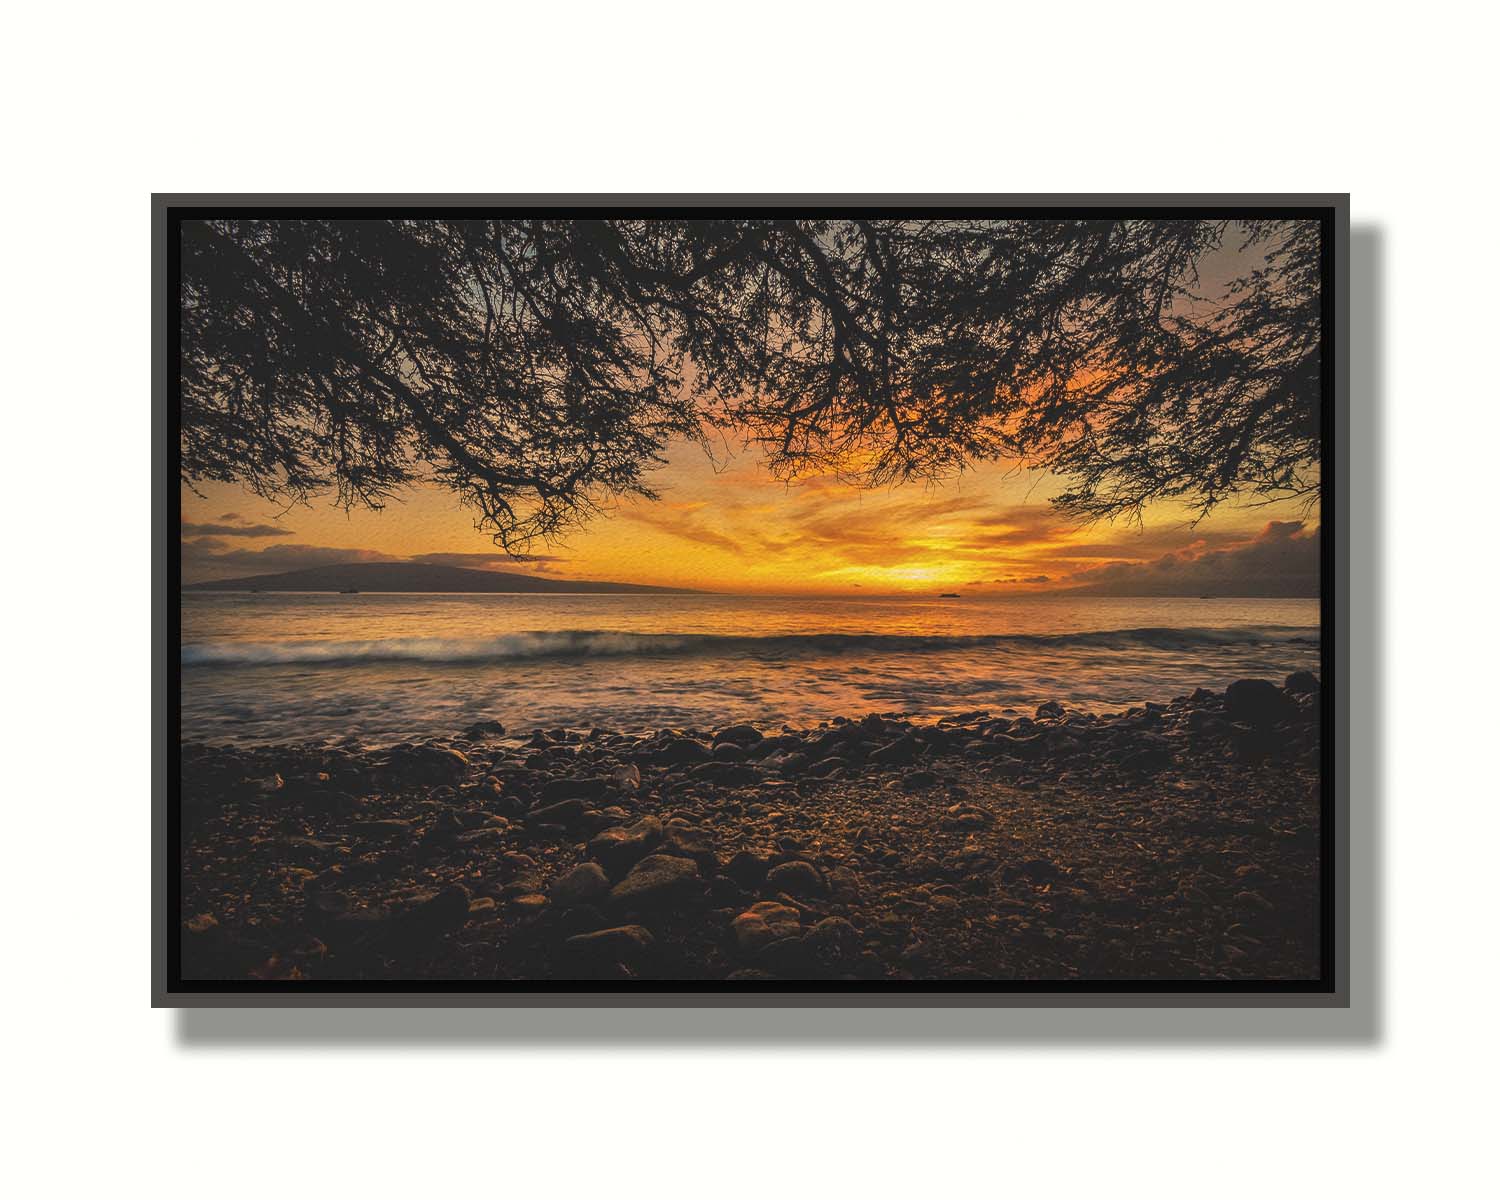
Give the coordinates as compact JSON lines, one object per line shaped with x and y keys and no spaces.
{"x":378,"y":668}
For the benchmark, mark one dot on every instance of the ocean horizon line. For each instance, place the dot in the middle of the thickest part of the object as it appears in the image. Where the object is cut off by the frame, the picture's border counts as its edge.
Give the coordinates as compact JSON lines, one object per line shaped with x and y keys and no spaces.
{"x":652,"y":591}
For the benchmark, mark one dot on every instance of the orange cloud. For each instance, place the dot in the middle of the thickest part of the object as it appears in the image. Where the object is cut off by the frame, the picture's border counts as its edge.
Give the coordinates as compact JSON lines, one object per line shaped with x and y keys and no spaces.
{"x":734,"y":528}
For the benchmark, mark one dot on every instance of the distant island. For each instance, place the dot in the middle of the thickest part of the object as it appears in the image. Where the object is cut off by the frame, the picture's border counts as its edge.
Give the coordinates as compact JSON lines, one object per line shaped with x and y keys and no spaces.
{"x":416,"y":577}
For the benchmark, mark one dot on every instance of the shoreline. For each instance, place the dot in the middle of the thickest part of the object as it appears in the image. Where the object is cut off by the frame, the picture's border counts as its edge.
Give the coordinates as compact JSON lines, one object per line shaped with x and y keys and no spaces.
{"x":1173,"y":841}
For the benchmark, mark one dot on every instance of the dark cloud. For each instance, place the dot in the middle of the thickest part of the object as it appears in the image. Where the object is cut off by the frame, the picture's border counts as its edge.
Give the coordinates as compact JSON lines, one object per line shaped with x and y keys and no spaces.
{"x":214,"y":557}
{"x":1020,"y":528}
{"x":1281,"y":560}
{"x":193,"y":529}
{"x":1156,"y":541}
{"x":211,"y":557}
{"x":1040,"y":527}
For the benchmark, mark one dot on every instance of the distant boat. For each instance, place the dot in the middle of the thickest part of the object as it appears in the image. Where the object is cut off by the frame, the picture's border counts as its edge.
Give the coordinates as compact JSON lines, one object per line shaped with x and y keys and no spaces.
{"x":348,"y":591}
{"x":950,"y":596}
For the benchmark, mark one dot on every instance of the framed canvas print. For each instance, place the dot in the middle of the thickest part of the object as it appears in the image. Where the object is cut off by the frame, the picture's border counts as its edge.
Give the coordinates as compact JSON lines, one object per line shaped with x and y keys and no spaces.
{"x":750,"y":600}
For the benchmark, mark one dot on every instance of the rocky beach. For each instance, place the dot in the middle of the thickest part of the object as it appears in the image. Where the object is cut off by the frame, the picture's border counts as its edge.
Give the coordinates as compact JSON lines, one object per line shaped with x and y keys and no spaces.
{"x":1168,"y":842}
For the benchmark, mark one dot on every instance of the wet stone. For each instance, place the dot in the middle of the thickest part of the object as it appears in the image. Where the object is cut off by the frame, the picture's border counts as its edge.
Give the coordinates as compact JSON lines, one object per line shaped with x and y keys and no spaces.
{"x":764,"y":923}
{"x":747,"y":868}
{"x":658,"y":879}
{"x":739,"y":735}
{"x":796,"y":878}
{"x":1301,"y":683}
{"x":621,"y":847}
{"x":584,"y":884}
{"x":1257,"y":702}
{"x":564,"y":812}
{"x":582,"y":788}
{"x":621,"y":943}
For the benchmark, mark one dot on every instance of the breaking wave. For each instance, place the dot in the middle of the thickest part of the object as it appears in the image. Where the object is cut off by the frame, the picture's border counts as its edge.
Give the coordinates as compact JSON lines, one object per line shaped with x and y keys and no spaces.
{"x":591,"y":643}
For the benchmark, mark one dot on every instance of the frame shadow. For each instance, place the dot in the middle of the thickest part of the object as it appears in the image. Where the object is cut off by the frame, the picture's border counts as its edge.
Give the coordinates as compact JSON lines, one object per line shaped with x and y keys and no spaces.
{"x":1018,"y":1025}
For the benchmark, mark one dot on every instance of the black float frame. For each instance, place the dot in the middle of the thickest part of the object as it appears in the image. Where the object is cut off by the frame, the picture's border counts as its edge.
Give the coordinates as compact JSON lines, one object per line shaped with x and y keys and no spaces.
{"x":1329,"y":990}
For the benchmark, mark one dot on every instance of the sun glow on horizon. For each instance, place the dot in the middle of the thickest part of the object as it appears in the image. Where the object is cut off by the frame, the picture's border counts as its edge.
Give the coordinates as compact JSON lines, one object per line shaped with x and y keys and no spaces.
{"x":730,"y":527}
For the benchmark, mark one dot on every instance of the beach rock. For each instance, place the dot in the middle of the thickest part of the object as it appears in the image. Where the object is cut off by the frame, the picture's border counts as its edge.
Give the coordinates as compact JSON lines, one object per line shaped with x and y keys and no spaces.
{"x":792,"y":958}
{"x":565,"y":812}
{"x":621,"y":847}
{"x":265,"y":787}
{"x":628,"y":944}
{"x":796,"y":878}
{"x":1049,"y":708}
{"x":937,"y":740}
{"x":681,"y":752}
{"x":326,"y":905}
{"x":581,"y":918}
{"x":917,"y":781}
{"x":433,"y":763}
{"x":899,"y":753}
{"x":1147,"y":753}
{"x":380,"y":830}
{"x":726,"y":774}
{"x":843,"y":884}
{"x":445,"y":825}
{"x":484,"y":729}
{"x":583,"y":788}
{"x":1024,"y":748}
{"x":1301,"y":683}
{"x":683,"y":841}
{"x":584,"y":884}
{"x":1034,"y":870}
{"x":492,"y":836}
{"x":493,"y":798}
{"x":747,"y":868}
{"x":739,"y":735}
{"x":824,"y":767}
{"x":765,"y":923}
{"x":1257,"y":702}
{"x":658,"y":879}
{"x":529,"y":904}
{"x":967,"y":816}
{"x":441,"y":913}
{"x":361,"y":925}
{"x":1203,"y":721}
{"x":202,"y":923}
{"x":833,"y":939}
{"x":1254,"y":744}
{"x":792,"y":763}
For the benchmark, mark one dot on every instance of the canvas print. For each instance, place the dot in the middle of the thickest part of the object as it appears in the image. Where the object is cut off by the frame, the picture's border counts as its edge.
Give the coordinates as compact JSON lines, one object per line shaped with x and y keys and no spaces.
{"x":749,"y":599}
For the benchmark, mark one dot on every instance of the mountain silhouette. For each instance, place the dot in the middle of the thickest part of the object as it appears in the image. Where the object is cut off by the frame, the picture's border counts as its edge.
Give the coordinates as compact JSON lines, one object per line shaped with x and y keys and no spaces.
{"x":414,"y":577}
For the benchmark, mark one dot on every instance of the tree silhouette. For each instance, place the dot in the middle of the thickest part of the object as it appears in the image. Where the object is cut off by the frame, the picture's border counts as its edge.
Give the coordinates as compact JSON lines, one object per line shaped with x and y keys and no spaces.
{"x":538,"y":367}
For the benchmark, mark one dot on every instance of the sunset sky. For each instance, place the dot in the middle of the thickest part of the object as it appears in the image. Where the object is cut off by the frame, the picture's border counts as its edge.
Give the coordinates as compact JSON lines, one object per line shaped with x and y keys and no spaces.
{"x":735,"y":529}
